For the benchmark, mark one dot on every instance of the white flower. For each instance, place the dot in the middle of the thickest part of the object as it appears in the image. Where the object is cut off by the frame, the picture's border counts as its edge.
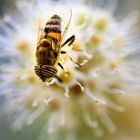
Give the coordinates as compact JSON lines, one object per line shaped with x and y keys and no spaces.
{"x":106,"y":49}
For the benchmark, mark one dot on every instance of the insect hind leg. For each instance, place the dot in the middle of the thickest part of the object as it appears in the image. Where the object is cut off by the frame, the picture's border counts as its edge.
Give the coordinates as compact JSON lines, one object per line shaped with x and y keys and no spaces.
{"x":69,"y":41}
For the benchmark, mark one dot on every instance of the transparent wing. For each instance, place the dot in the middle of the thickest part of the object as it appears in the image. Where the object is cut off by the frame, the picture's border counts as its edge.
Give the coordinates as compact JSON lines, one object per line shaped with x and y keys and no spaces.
{"x":39,"y":30}
{"x":66,"y":19}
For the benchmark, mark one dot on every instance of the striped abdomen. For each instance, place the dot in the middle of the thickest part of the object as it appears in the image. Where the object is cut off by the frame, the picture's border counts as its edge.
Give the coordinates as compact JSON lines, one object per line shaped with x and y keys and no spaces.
{"x":45,"y":72}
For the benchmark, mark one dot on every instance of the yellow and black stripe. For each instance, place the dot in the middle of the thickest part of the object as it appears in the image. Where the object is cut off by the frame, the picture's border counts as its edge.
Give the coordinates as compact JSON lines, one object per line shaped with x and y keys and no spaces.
{"x":48,"y":71}
{"x":45,"y":71}
{"x":52,"y":29}
{"x":38,"y":70}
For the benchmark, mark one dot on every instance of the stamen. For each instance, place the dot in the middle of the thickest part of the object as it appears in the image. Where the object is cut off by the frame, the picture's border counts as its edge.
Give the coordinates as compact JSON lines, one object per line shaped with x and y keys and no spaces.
{"x":95,"y":99}
{"x":114,"y":106}
{"x":84,"y":62}
{"x":117,"y":91}
{"x":99,"y":132}
{"x":61,"y":58}
{"x":81,"y":86}
{"x":89,"y":56}
{"x":108,"y":122}
{"x":66,"y":92}
{"x":51,"y":82}
{"x":35,"y":104}
{"x":62,"y":117}
{"x":47,"y":101}
{"x":51,"y":124}
{"x":34,"y":116}
{"x":92,"y":123}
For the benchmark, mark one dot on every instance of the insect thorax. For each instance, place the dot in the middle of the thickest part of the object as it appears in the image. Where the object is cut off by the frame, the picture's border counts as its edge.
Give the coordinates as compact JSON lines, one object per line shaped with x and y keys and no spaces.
{"x":45,"y":56}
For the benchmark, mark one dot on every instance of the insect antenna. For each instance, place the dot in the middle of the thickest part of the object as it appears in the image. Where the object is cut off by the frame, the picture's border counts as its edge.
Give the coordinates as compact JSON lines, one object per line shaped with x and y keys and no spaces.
{"x":69,"y":41}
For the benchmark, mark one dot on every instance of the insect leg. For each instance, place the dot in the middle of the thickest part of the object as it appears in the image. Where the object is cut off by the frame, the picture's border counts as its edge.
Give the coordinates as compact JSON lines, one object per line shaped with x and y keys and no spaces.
{"x":69,"y":41}
{"x":63,"y":52}
{"x":59,"y":79}
{"x":59,"y":64}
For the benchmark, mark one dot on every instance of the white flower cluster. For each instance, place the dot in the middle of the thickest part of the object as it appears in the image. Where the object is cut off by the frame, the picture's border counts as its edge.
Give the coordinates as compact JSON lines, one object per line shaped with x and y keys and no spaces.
{"x":107,"y":52}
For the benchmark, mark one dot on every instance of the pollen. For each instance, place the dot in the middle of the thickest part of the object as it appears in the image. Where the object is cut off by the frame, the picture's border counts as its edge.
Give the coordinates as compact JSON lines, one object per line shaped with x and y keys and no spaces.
{"x":120,"y":40}
{"x":114,"y":64}
{"x":81,"y":19}
{"x":54,"y":105}
{"x":22,"y":46}
{"x":88,"y":94}
{"x":101,"y":23}
{"x":95,"y":39}
{"x":76,"y":90}
{"x":66,"y":75}
{"x":29,"y":76}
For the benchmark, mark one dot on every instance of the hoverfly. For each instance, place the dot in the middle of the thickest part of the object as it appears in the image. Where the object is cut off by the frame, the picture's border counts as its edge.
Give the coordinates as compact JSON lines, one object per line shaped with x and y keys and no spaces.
{"x":48,"y":50}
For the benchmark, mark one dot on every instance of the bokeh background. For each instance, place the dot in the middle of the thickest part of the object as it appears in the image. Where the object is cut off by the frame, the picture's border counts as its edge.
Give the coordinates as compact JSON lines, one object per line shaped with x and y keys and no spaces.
{"x":127,"y":122}
{"x":124,"y":6}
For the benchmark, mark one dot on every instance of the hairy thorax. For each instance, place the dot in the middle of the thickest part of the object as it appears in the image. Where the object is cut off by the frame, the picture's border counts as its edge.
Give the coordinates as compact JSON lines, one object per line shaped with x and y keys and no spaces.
{"x":45,"y":56}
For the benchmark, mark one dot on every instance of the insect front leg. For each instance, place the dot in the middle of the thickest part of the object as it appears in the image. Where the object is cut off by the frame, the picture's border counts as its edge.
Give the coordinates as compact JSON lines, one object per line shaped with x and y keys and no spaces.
{"x":69,"y":41}
{"x":60,"y":65}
